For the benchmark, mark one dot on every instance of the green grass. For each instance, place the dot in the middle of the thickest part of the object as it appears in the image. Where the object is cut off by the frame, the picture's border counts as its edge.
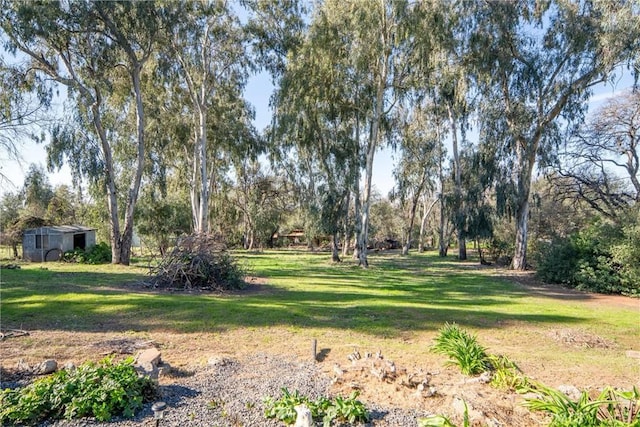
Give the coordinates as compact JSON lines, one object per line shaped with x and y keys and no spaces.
{"x":396,"y":294}
{"x":397,"y":305}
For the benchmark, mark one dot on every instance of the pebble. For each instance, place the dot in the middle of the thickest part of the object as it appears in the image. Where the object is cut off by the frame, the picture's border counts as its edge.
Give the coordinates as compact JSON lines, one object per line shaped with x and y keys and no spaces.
{"x":232,"y":394}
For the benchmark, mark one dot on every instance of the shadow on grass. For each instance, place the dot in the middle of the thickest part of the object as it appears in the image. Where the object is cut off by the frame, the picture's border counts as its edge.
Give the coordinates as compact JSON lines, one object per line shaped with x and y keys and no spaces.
{"x":305,"y":291}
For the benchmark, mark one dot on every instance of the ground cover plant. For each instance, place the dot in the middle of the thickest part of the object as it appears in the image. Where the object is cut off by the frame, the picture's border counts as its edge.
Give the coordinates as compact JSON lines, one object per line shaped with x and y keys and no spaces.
{"x":101,"y":390}
{"x":397,"y":305}
{"x":341,"y":409}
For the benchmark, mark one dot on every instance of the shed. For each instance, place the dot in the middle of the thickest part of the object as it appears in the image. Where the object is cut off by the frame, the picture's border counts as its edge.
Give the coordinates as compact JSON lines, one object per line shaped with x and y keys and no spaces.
{"x":49,"y":243}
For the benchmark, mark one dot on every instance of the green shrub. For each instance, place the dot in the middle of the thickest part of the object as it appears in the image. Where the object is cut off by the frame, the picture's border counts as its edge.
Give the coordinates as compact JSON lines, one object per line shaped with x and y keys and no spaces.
{"x":344,"y":410}
{"x":102,"y":390}
{"x":462,"y":348}
{"x":98,"y":254}
{"x":603,"y":257}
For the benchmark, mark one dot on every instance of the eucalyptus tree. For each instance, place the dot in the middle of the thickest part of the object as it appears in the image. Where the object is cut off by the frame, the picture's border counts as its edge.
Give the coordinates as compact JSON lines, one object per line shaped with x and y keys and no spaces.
{"x":86,"y":46}
{"x":24,"y":98}
{"x":372,"y":50}
{"x":209,"y":59}
{"x":602,"y":159}
{"x":537,"y":63}
{"x":315,"y":120}
{"x":441,"y":73}
{"x":415,"y":171}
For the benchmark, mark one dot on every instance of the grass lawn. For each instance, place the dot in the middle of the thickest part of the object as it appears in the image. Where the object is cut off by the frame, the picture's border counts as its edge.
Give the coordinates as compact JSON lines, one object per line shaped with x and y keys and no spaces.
{"x":397,"y":305}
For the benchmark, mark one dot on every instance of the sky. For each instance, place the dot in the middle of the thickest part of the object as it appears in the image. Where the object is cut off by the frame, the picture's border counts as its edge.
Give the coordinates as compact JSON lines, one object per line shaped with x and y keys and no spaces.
{"x":258,"y":91}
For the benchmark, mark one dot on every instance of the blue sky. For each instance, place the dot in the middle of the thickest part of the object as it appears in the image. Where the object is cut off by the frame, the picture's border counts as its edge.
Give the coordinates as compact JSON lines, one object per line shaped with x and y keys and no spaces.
{"x":258,"y":92}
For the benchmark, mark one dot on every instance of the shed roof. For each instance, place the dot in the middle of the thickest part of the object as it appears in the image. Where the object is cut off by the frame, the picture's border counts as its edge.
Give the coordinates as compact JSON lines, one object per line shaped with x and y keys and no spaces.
{"x":59,"y":229}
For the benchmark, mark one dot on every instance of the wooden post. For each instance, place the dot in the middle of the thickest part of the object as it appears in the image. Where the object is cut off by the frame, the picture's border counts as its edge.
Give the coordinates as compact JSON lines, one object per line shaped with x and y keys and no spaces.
{"x":314,"y":345}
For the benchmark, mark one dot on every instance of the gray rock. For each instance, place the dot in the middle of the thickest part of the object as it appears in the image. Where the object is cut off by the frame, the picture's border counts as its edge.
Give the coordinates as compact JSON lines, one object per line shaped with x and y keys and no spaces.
{"x":47,"y":367}
{"x":570,"y":391}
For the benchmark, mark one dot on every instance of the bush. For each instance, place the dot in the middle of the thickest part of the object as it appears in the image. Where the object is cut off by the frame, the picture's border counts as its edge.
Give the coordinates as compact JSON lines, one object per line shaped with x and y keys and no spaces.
{"x":602,"y":258}
{"x":98,"y":254}
{"x":102,"y":390}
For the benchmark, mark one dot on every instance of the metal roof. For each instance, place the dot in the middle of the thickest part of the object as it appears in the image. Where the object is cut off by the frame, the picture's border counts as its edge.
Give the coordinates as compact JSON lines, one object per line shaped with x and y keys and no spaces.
{"x":62,"y":229}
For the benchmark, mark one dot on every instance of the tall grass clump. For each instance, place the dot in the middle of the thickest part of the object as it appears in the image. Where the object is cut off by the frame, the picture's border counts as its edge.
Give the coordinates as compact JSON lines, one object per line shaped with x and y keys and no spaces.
{"x":462,"y":348}
{"x":611,"y":408}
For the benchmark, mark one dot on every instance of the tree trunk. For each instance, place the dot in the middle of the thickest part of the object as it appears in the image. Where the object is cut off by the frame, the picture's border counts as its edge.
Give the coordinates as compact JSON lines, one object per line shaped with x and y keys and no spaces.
{"x":414,"y":207}
{"x":110,"y":185}
{"x":442,"y":242}
{"x":460,"y":205}
{"x":346,"y":239}
{"x":335,"y":251}
{"x":134,"y":188}
{"x":203,"y":212}
{"x":526,"y":160}
{"x":462,"y":246}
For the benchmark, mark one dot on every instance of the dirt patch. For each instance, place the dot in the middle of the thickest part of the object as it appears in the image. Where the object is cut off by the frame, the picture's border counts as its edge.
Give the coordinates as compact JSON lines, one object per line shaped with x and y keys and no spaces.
{"x":578,"y":338}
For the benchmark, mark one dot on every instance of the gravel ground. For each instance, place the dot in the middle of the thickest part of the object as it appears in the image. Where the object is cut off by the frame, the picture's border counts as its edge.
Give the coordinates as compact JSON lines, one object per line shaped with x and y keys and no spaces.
{"x":231,"y":393}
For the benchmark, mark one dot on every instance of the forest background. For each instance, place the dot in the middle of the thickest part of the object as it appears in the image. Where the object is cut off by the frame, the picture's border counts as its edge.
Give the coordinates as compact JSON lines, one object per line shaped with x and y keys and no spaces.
{"x":490,"y":111}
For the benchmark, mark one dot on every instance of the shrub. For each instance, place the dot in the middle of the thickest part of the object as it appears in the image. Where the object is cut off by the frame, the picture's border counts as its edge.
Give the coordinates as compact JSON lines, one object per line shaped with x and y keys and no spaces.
{"x":98,"y":254}
{"x":344,"y":410}
{"x":462,"y":348}
{"x":102,"y":390}
{"x":602,"y":258}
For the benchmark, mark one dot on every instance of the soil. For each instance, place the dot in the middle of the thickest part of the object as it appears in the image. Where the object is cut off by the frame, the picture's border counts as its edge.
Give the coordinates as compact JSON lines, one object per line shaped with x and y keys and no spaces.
{"x":420,"y":383}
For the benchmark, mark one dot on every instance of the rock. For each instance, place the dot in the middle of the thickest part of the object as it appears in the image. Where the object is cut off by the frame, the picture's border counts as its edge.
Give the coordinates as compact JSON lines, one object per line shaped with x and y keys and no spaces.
{"x":570,"y":391}
{"x":69,"y":366}
{"x":47,"y":367}
{"x":217,"y":361}
{"x":147,"y":362}
{"x":23,"y":366}
{"x":460,"y":406}
{"x":633,"y":354}
{"x":148,"y":370}
{"x":485,"y":377}
{"x":150,"y":355}
{"x":304,"y":418}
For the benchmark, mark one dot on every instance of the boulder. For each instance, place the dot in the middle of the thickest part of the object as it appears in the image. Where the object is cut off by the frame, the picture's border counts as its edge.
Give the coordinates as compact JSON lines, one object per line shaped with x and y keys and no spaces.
{"x":47,"y":367}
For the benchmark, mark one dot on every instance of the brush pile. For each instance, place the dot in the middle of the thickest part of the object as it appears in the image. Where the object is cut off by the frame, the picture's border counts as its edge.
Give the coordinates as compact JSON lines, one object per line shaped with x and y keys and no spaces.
{"x":198,"y":262}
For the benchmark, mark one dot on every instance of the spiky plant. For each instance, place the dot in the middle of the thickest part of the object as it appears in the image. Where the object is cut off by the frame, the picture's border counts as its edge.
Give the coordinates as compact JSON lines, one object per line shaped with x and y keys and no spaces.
{"x":462,"y":348}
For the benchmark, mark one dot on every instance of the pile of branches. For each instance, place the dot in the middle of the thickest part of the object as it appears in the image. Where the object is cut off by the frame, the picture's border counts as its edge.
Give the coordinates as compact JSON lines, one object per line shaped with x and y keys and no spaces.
{"x":198,"y":262}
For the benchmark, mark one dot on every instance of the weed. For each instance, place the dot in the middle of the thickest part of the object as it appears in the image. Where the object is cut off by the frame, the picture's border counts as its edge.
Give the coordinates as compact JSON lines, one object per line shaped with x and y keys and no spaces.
{"x":102,"y":390}
{"x":462,"y":348}
{"x":347,"y":410}
{"x":505,"y":374}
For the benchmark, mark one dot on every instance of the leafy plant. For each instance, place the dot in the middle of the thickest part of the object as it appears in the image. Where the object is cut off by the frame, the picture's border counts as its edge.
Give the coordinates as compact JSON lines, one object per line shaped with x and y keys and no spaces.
{"x":349,"y":410}
{"x":442,"y":421}
{"x":97,"y":254}
{"x":506,"y":374}
{"x":462,"y":348}
{"x":102,"y":390}
{"x":611,"y":408}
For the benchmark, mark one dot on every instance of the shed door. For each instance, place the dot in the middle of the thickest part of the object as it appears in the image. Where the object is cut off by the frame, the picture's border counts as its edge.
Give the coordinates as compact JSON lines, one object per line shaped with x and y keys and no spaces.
{"x":80,"y":241}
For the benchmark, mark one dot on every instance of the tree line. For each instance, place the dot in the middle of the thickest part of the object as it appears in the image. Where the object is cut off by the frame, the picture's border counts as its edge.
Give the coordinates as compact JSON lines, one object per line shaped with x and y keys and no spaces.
{"x":475,"y":98}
